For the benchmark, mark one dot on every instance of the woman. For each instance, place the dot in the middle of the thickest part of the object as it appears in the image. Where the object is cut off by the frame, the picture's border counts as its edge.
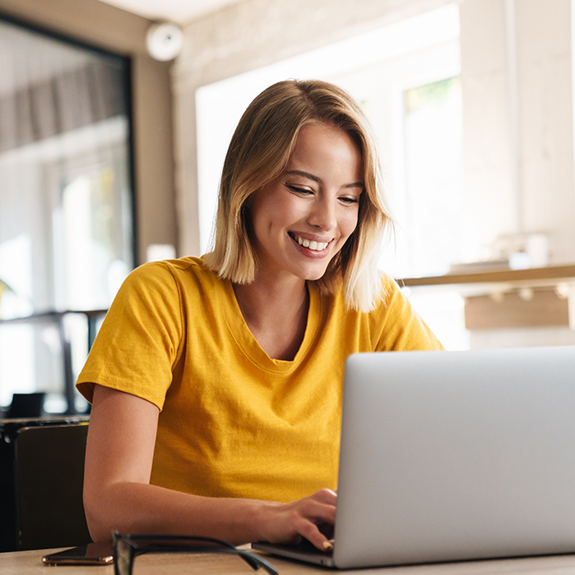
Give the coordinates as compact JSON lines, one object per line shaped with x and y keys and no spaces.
{"x":216,"y":382}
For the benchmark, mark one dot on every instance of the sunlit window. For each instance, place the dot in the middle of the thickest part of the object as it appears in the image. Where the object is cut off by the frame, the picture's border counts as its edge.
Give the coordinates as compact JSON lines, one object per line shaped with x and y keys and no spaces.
{"x":66,"y":237}
{"x":433,"y":182}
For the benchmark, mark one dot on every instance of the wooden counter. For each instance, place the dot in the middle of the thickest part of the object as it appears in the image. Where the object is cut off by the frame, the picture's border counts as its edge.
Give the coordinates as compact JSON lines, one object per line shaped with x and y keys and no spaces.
{"x":30,"y":563}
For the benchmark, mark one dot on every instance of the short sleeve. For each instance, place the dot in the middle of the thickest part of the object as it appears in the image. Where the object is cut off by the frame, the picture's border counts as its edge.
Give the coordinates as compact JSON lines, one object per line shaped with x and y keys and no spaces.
{"x":396,"y":326}
{"x":140,"y":340}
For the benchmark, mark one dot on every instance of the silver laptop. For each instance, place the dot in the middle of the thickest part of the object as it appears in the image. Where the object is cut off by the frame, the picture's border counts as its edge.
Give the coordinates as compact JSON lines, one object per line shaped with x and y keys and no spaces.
{"x":454,"y":455}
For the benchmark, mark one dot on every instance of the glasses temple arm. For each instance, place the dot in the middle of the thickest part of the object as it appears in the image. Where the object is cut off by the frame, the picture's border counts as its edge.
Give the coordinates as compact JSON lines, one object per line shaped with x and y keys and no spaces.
{"x":256,"y":562}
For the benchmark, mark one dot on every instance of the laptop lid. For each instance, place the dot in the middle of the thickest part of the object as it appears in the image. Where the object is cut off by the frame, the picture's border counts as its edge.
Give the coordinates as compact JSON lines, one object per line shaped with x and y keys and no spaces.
{"x":456,"y":455}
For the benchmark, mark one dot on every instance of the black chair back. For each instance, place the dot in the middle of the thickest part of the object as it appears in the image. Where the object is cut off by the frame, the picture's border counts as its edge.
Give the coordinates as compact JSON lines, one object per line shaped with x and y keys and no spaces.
{"x":26,"y":405}
{"x":48,"y":476}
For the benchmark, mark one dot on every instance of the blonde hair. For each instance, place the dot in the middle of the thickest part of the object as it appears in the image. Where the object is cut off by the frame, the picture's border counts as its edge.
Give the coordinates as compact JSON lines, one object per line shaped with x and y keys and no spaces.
{"x":258,"y":154}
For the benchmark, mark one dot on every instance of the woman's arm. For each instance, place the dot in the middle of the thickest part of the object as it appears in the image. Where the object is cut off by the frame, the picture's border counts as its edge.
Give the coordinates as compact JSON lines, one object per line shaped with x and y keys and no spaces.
{"x":118,"y":494}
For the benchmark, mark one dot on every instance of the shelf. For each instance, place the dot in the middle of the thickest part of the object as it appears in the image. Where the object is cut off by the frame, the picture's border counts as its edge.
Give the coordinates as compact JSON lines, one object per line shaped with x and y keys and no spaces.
{"x":496,"y":280}
{"x":504,"y":299}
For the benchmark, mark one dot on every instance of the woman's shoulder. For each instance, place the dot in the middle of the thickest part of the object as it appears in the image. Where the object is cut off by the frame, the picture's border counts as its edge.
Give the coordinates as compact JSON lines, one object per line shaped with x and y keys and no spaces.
{"x":181,"y":270}
{"x":389,"y":286}
{"x":386,"y":293}
{"x":391,"y":295}
{"x":171,"y":281}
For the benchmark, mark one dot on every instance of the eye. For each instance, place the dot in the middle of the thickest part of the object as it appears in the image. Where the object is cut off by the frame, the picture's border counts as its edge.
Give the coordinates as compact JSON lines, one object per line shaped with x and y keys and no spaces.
{"x":349,"y":200}
{"x":298,"y":190}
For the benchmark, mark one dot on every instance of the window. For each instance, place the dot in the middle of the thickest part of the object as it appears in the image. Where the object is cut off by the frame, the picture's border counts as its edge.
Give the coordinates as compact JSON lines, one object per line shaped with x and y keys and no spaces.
{"x":66,"y":216}
{"x":433,"y":181}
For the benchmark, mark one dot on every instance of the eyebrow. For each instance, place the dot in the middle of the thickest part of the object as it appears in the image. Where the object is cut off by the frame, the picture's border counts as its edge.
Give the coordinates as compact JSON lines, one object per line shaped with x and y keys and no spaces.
{"x":316,"y":179}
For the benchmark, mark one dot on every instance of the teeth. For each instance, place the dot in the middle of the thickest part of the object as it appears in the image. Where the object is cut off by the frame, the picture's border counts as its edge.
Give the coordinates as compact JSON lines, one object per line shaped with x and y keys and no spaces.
{"x":313,"y":245}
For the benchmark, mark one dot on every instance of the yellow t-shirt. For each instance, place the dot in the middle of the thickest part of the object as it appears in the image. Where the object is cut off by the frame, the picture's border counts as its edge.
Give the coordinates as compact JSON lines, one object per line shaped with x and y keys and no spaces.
{"x":233,"y":422}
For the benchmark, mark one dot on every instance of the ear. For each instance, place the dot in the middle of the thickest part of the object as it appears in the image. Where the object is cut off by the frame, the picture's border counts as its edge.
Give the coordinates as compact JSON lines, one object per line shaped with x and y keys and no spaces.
{"x":246,"y":216}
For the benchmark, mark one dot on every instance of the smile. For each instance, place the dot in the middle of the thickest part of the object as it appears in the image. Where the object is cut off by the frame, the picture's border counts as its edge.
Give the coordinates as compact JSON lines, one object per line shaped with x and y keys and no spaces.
{"x":312,"y":245}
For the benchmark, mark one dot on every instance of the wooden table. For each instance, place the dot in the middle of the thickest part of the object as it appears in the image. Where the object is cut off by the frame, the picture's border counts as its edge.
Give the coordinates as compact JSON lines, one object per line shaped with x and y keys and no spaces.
{"x":30,"y":563}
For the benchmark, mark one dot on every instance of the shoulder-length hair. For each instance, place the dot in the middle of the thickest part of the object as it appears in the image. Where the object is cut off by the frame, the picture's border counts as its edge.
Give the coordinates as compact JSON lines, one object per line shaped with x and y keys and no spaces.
{"x":259,"y":153}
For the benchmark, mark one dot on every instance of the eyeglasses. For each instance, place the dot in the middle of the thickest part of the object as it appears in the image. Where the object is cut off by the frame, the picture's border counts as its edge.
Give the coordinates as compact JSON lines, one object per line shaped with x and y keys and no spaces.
{"x":127,"y":547}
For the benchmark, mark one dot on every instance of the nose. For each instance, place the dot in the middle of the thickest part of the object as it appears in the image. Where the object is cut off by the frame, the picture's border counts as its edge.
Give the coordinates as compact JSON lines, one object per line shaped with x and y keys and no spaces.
{"x":323,"y":214}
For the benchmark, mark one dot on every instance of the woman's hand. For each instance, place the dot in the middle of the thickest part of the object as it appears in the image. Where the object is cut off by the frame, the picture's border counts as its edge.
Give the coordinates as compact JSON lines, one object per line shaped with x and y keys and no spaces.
{"x":288,"y":522}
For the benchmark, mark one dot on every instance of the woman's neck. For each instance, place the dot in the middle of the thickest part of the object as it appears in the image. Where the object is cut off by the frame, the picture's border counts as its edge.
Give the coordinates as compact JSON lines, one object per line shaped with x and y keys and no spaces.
{"x":276,"y":314}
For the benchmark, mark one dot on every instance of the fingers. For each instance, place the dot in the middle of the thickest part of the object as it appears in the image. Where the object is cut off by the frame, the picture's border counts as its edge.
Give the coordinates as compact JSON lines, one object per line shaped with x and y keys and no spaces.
{"x":288,"y":522}
{"x":319,"y":507}
{"x":317,"y":538}
{"x":317,"y":512}
{"x":326,"y":495}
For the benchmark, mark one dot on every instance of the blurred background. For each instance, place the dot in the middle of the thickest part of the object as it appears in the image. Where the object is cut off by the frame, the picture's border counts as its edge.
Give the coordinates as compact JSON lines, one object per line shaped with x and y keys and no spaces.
{"x":115,"y":117}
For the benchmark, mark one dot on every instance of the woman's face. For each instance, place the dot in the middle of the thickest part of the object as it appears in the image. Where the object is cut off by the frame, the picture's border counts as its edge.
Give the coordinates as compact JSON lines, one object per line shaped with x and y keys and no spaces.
{"x":303,"y":218}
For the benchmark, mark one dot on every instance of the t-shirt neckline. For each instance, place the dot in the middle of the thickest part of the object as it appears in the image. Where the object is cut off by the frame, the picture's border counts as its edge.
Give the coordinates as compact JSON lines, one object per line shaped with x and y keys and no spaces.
{"x":249,"y":345}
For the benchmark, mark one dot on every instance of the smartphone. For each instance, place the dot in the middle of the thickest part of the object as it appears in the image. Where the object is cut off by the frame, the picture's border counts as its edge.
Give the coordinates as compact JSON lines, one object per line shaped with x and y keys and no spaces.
{"x":99,"y":553}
